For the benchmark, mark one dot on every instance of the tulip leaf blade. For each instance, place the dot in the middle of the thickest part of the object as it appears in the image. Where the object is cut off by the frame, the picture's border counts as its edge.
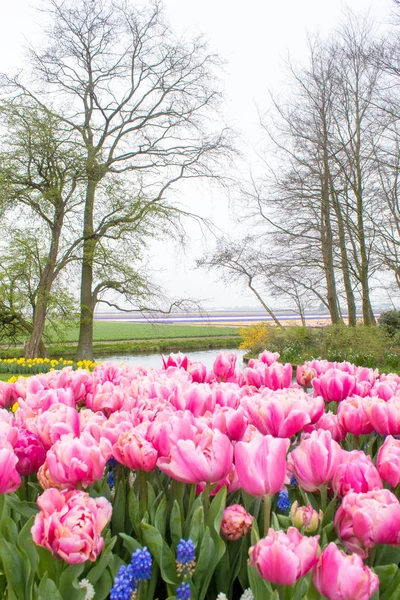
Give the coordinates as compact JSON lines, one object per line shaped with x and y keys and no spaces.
{"x":216,"y":510}
{"x":47,"y":590}
{"x":161,"y":552}
{"x":261,"y":589}
{"x":175,"y":523}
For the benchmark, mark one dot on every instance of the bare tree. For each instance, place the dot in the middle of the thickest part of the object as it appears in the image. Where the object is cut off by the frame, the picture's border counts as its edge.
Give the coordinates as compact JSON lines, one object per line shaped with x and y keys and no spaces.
{"x":239,"y":261}
{"x":142,"y":103}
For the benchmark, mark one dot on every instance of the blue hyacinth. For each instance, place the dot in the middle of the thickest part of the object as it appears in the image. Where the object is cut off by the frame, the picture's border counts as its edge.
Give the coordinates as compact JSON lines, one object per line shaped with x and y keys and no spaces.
{"x":183,"y":592}
{"x":141,"y":564}
{"x":293,"y":480}
{"x":283,"y":502}
{"x":110,"y":479}
{"x":112,"y":463}
{"x":124,"y":584}
{"x":185,"y":557}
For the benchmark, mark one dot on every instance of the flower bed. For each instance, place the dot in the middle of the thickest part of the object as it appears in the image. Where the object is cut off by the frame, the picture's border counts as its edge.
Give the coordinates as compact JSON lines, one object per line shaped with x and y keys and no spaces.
{"x":184,"y":483}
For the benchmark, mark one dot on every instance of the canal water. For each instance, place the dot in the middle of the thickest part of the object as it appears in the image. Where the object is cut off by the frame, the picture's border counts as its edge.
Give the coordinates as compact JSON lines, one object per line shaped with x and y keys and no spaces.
{"x":154,"y":361}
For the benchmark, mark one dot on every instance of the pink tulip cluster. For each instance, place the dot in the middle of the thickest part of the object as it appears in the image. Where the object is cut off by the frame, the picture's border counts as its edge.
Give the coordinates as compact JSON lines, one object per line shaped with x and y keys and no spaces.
{"x":252,"y":431}
{"x":70,"y":523}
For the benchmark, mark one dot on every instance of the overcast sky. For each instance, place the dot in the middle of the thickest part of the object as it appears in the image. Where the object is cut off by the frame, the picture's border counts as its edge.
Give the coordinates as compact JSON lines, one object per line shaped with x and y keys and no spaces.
{"x":254,"y":38}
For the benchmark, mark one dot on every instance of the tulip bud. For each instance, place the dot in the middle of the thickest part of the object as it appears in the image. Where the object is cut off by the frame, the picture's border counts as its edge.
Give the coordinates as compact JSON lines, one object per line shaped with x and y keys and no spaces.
{"x":235,"y":522}
{"x":305,"y":518}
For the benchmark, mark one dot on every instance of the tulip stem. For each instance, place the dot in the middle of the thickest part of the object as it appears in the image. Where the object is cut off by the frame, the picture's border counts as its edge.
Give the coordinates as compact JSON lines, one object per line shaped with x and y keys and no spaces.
{"x":267,"y":514}
{"x":324,"y":497}
{"x":141,"y":475}
{"x":206,"y":496}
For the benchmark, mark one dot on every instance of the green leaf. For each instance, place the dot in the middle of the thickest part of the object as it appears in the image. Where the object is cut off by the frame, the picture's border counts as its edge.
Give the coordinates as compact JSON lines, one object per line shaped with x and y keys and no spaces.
{"x":389,"y":582}
{"x":197,"y":528}
{"x":386,"y":575}
{"x":119,"y":504}
{"x":216,"y":510}
{"x":48,"y":590}
{"x":12,"y":561}
{"x":130,"y":543}
{"x":329,"y":512}
{"x":386,"y":555}
{"x":284,"y":521}
{"x":161,"y":552}
{"x":26,"y":543}
{"x":274,"y":522}
{"x":68,"y":584}
{"x":103,"y":586}
{"x":160,"y":520}
{"x":134,"y":512}
{"x":261,"y":589}
{"x":26,"y":509}
{"x":175,"y":524}
{"x":102,"y":562}
{"x":204,"y":560}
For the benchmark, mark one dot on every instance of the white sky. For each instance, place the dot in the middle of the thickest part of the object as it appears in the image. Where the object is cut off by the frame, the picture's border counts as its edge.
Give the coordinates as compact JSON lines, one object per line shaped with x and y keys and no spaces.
{"x":254,"y":38}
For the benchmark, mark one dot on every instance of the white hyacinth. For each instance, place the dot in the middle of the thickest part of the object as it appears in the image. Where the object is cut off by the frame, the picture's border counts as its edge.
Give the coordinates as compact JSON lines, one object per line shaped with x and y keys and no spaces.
{"x":247,"y":595}
{"x":85,"y":583}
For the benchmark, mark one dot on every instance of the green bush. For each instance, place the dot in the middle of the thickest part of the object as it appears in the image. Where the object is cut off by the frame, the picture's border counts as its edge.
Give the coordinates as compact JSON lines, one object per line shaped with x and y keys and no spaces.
{"x":390,"y":320}
{"x":364,"y":346}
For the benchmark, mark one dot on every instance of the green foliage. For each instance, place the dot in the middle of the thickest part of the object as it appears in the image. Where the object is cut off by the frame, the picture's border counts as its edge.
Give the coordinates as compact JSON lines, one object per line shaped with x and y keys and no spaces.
{"x":365,"y":346}
{"x":390,"y":321}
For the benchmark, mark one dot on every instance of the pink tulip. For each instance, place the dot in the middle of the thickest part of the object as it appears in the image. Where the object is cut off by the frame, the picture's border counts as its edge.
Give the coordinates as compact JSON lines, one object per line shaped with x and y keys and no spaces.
{"x":365,"y":520}
{"x":7,"y":397}
{"x":329,"y":422}
{"x":81,"y":460}
{"x":282,"y":558}
{"x":9,"y":476}
{"x":165,"y":431}
{"x":334,"y":385}
{"x":385,"y":416}
{"x":261,"y":464}
{"x":305,"y":375}
{"x":70,"y":523}
{"x":206,"y":458}
{"x":106,"y":397}
{"x":340,"y":577}
{"x":384,"y":390}
{"x":224,"y":366}
{"x":275,"y":377}
{"x":315,"y":460}
{"x":236,"y":522}
{"x":357,"y":473}
{"x":305,"y":518}
{"x":175,"y":360}
{"x":135,"y":452}
{"x":43,"y":399}
{"x":353,"y":416}
{"x":283,"y":414}
{"x":30,"y":452}
{"x":51,"y":424}
{"x":265,"y":357}
{"x":230,"y":421}
{"x":198,"y":399}
{"x":388,"y":461}
{"x":198,"y":372}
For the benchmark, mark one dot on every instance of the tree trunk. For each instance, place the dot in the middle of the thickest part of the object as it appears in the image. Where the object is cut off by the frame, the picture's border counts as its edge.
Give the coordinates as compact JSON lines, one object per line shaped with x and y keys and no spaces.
{"x":344,"y":263}
{"x":269,"y":311}
{"x":85,"y":342}
{"x":327,"y":243}
{"x":34,"y":346}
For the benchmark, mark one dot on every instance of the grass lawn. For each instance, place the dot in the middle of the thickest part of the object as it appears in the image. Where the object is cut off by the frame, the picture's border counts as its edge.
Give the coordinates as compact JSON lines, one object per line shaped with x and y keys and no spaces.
{"x":5,"y":376}
{"x":107,"y":331}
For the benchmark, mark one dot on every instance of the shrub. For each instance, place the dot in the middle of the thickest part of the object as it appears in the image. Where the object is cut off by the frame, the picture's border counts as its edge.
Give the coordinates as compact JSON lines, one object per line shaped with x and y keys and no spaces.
{"x":390,"y":320}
